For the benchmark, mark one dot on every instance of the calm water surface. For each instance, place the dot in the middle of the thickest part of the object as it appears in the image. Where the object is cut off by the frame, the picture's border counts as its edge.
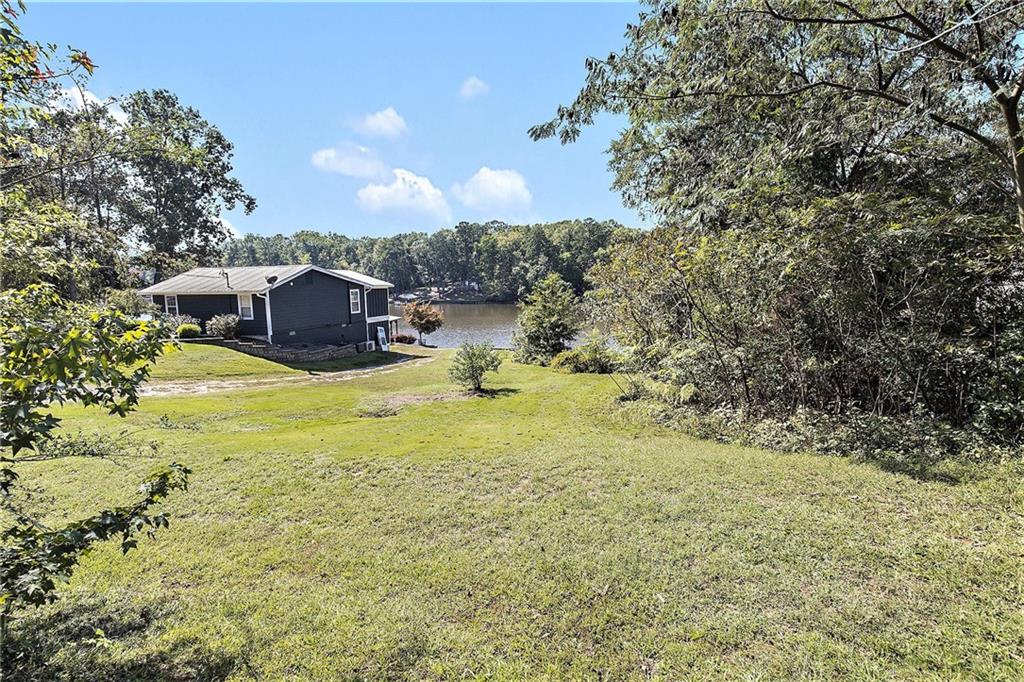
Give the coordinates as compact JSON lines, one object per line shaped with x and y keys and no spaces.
{"x":473,"y":322}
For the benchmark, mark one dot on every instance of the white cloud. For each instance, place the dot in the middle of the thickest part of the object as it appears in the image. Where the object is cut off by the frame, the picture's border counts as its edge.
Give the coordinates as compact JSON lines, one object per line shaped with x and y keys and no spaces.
{"x":75,"y":99}
{"x":408,"y":192}
{"x":383,"y":123}
{"x":494,"y":190}
{"x":350,"y":159}
{"x":473,"y":87}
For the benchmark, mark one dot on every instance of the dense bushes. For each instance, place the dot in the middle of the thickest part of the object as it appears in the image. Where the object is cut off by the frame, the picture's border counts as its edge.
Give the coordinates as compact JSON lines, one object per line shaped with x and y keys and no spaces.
{"x":225,"y":326}
{"x":869,"y":319}
{"x":593,"y":356}
{"x":919,"y":446}
{"x":403,"y":338}
{"x":188,"y":331}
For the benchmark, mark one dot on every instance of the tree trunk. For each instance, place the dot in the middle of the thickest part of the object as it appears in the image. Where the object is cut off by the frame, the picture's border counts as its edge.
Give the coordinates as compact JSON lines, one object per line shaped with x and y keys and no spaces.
{"x":1015,"y":142}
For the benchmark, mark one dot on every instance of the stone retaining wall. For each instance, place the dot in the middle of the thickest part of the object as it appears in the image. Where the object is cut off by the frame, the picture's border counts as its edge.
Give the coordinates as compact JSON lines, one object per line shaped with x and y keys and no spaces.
{"x":281,"y":353}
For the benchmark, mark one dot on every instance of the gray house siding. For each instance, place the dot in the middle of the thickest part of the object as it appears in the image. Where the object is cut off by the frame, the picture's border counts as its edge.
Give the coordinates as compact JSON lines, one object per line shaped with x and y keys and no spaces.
{"x":377,"y":302}
{"x":314,"y":308}
{"x":205,"y":306}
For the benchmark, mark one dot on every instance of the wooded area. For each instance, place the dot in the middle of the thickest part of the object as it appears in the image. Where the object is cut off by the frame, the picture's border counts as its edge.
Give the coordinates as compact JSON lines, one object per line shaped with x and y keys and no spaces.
{"x":838,"y":191}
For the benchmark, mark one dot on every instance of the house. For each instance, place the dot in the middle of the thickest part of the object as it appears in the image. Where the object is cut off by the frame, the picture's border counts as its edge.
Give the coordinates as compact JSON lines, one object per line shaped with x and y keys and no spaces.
{"x":283,"y":304}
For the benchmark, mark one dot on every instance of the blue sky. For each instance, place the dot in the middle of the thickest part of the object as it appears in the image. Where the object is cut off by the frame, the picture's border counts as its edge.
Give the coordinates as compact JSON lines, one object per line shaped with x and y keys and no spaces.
{"x":372,"y":119}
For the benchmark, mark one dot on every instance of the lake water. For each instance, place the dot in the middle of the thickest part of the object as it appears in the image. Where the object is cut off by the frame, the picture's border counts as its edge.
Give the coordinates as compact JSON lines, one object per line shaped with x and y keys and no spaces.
{"x":473,"y":322}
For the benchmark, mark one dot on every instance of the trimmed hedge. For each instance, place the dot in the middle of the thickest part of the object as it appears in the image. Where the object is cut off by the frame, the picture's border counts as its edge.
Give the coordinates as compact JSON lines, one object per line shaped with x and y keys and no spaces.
{"x":224,"y":326}
{"x":188,"y":331}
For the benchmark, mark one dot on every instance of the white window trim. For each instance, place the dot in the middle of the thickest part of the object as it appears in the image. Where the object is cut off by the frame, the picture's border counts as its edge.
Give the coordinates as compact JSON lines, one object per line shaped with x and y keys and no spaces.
{"x":355,"y":303}
{"x":167,"y":301}
{"x":252,"y":311}
{"x":148,"y":298}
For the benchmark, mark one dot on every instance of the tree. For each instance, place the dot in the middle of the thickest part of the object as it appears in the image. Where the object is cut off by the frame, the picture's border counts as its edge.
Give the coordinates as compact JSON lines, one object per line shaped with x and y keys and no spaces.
{"x":391,"y":260}
{"x":549,"y":319}
{"x":54,"y":351}
{"x":57,"y":352}
{"x":728,"y":89}
{"x":181,"y":183}
{"x":838,"y":238}
{"x":423,"y":317}
{"x":80,"y":167}
{"x":471,"y":362}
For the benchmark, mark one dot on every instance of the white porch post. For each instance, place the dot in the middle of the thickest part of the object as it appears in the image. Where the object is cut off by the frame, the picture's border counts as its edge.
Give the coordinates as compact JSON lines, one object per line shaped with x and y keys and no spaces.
{"x":270,"y":324}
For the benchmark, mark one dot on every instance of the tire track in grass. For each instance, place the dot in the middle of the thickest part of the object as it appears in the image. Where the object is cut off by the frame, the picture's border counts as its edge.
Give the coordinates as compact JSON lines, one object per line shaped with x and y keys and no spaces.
{"x":171,"y":388}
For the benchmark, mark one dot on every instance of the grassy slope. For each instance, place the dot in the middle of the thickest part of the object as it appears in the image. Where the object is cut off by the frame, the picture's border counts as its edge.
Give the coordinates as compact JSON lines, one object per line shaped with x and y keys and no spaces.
{"x":197,"y":361}
{"x":529,"y":535}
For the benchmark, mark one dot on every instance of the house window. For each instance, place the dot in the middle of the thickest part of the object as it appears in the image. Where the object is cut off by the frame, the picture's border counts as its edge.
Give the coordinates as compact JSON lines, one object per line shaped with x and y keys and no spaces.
{"x":171,"y":304}
{"x":147,"y":298}
{"x":245,"y":306}
{"x":353,"y":302}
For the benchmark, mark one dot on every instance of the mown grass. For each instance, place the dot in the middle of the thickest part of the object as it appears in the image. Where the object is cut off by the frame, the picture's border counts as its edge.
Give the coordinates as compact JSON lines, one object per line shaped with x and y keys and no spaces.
{"x":530,"y":535}
{"x":193,"y":361}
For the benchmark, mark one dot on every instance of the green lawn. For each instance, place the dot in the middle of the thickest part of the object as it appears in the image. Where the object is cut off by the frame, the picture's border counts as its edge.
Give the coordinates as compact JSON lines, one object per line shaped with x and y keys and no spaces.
{"x":195,"y":361}
{"x":532,"y":534}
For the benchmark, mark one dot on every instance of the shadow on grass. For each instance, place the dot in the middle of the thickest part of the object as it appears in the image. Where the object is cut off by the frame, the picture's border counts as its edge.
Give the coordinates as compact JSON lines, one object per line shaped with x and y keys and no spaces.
{"x":88,"y":637}
{"x":926,"y":469}
{"x":495,"y":392}
{"x":358,"y":361}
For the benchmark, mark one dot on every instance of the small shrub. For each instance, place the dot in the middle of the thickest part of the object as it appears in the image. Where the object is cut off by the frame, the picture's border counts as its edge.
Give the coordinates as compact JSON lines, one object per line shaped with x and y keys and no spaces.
{"x":471,"y":362}
{"x":188,"y":331}
{"x":570,"y":361}
{"x":225,"y":326}
{"x":592,"y":357}
{"x":175,"y":321}
{"x":403,"y":338}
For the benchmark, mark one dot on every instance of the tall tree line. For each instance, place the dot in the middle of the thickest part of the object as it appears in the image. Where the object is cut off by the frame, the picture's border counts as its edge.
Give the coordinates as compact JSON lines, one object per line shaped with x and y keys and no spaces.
{"x":505,"y":260}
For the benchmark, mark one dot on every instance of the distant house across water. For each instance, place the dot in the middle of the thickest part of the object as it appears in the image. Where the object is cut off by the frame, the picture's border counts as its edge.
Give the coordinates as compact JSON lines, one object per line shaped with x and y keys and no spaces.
{"x":283,"y":304}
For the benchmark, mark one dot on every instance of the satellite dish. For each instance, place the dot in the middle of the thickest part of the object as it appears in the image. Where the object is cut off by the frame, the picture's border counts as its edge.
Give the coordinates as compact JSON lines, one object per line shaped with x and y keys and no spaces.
{"x":271,"y":279}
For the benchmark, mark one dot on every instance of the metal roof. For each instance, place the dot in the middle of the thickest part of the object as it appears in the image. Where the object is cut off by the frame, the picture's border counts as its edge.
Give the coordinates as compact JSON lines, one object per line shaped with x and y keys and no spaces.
{"x":247,"y":280}
{"x":365,"y":280}
{"x":213,"y":280}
